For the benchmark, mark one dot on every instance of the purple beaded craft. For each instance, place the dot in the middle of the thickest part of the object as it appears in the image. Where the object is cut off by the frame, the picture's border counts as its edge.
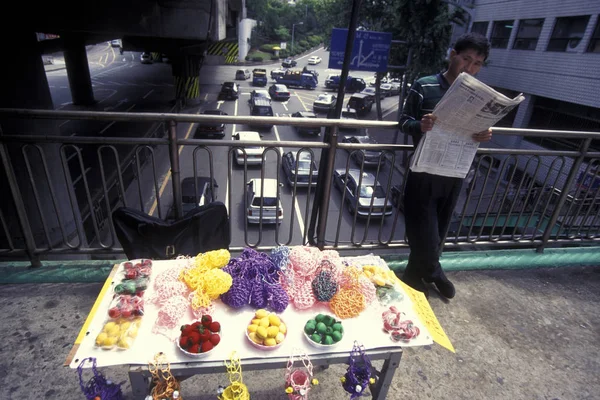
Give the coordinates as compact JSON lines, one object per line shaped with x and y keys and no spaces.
{"x":255,"y":281}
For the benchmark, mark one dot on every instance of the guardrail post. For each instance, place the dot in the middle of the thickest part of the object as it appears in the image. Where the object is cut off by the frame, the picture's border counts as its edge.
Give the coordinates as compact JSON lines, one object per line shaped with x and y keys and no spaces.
{"x":20,"y":207}
{"x":322,"y":226}
{"x":175,"y":178}
{"x":564,"y":193}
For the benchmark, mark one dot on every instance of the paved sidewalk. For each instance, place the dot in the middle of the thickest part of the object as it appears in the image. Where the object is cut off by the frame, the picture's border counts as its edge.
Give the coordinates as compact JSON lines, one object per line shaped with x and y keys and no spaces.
{"x":518,"y":334}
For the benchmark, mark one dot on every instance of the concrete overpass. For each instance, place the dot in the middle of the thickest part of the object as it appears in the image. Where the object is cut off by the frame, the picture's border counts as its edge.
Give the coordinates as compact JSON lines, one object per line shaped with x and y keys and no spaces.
{"x":182,"y":29}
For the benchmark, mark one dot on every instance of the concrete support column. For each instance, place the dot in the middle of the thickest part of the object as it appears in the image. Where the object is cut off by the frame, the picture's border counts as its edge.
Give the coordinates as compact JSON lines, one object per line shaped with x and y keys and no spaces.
{"x":186,"y":73}
{"x":78,"y":70}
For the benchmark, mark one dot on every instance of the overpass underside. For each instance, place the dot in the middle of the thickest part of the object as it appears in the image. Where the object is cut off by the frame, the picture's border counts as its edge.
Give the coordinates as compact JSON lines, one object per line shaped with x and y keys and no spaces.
{"x":183,"y":30}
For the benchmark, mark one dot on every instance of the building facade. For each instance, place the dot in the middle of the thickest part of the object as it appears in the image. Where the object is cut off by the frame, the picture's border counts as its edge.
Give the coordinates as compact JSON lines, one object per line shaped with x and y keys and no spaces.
{"x":549,"y":50}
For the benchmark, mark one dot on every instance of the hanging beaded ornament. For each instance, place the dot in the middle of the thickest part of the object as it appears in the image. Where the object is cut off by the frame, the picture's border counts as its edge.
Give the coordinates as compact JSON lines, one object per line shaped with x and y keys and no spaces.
{"x":324,"y":284}
{"x":399,"y":330}
{"x":358,"y":374}
{"x":164,"y":383}
{"x":299,"y":380}
{"x":236,"y":389}
{"x":98,"y":387}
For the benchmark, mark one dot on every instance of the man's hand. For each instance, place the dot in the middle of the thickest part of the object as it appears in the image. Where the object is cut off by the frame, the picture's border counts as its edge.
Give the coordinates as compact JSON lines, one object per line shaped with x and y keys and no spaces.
{"x":427,"y":122}
{"x":483,"y":136}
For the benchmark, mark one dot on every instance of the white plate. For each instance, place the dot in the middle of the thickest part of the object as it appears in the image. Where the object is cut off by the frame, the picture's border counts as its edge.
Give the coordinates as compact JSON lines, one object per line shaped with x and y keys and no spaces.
{"x":319,"y":345}
{"x":198,"y":355}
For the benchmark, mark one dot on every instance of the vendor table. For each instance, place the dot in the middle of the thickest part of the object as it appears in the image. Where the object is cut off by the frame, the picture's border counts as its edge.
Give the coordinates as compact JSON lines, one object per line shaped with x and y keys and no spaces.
{"x":365,"y":329}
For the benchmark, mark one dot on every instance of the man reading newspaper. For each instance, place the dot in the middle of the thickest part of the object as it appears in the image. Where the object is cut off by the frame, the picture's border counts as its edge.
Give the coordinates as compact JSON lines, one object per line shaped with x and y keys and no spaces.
{"x":447,"y":115}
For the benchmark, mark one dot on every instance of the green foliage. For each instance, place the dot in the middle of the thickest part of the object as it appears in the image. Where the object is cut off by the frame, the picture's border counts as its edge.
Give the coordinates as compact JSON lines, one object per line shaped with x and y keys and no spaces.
{"x":283,"y":33}
{"x":274,"y":58}
{"x":314,"y":40}
{"x":268,"y":48}
{"x":304,"y":44}
{"x":257,"y":58}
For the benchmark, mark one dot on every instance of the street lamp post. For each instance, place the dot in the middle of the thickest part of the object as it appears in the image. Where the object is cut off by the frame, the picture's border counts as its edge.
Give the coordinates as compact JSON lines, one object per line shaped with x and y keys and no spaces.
{"x":294,"y":27}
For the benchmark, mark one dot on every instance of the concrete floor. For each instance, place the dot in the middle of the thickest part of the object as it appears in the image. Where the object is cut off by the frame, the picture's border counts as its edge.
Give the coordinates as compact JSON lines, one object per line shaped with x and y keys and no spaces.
{"x":518,"y":334}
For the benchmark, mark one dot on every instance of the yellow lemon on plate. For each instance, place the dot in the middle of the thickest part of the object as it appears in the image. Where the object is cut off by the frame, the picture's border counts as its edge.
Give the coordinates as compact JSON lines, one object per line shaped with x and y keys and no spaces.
{"x":255,"y":338}
{"x":274,"y":320}
{"x":279,"y":338}
{"x":270,"y":342}
{"x":261,"y":313}
{"x":282,"y":328}
{"x":252,"y":328}
{"x":101,"y":338}
{"x":264,"y":322}
{"x":272,"y":331}
{"x":261,"y":332}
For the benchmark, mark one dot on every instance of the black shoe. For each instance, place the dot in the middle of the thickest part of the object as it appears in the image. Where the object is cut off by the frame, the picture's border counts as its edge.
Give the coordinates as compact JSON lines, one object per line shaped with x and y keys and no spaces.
{"x":445,"y":287}
{"x":416,"y":283}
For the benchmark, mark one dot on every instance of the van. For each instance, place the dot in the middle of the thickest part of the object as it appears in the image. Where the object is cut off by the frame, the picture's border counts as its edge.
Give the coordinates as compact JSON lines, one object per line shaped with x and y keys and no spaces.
{"x":263,"y":194}
{"x":242,"y":74}
{"x":361,"y":102}
{"x":261,"y":107}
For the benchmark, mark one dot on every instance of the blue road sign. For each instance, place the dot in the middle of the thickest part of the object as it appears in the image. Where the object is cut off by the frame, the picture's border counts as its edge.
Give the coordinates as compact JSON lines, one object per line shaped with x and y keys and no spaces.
{"x":370,"y":51}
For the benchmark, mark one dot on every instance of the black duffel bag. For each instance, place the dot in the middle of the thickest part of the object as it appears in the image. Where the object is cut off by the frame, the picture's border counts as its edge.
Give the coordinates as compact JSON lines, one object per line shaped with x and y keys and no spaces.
{"x":202,"y":229}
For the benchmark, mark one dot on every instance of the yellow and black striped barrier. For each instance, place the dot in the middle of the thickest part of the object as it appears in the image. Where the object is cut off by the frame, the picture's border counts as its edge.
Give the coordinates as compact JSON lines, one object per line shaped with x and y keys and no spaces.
{"x":225,"y":48}
{"x":187,"y":87}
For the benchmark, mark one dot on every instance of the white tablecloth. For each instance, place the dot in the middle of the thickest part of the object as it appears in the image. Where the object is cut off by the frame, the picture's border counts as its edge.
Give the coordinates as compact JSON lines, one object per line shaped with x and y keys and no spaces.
{"x":366,"y":329}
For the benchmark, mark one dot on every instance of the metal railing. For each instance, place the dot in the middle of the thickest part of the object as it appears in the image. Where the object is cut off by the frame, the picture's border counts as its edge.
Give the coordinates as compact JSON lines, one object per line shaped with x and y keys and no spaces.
{"x":62,"y":198}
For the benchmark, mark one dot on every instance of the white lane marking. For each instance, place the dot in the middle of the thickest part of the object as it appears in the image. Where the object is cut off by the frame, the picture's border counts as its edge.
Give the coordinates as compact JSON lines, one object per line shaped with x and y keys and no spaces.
{"x":107,"y":97}
{"x":148,"y":94}
{"x":206,"y":97}
{"x":107,"y":126}
{"x":296,"y":205}
{"x":66,"y":122}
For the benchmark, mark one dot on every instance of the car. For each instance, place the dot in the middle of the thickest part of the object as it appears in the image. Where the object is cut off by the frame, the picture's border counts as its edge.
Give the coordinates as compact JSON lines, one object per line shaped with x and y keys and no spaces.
{"x":311,"y":130}
{"x":116,"y":43}
{"x":349,"y":113}
{"x":277,"y":73}
{"x":297,"y":167}
{"x":211,"y":129}
{"x":314,"y":60}
{"x":362,"y":103}
{"x":289,"y":63}
{"x":261,"y":107}
{"x":242,"y":74}
{"x":370,"y":91}
{"x":385,"y":89}
{"x":279,"y":92}
{"x":146,"y":58}
{"x":313,"y":72}
{"x":263,"y":201}
{"x":197,"y":192}
{"x":325,"y":102}
{"x":250,"y":155}
{"x":364,"y":195}
{"x":396,"y":88}
{"x":259,"y":93}
{"x":229,"y":91}
{"x":195,"y":195}
{"x":370,"y":158}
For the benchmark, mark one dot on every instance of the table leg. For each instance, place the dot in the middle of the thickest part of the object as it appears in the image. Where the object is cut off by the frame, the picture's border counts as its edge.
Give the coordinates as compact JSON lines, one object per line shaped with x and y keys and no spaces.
{"x":140,"y":386}
{"x":381,"y":388}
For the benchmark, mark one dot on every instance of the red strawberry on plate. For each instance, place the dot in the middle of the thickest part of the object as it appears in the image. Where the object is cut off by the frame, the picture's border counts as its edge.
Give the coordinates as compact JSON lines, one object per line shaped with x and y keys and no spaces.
{"x":206,"y":320}
{"x":204,"y":335}
{"x":184,"y":342}
{"x":215,"y":327}
{"x":215,"y":339}
{"x":206,"y":346}
{"x":194,"y":349}
{"x":195,"y":337}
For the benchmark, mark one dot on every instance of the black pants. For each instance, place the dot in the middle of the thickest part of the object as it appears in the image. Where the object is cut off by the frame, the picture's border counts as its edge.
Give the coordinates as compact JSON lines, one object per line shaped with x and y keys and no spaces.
{"x":429,"y":201}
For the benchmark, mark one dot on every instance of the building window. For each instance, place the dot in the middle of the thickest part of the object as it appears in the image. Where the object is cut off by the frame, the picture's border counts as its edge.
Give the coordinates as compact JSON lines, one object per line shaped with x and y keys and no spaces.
{"x":567,"y":33}
{"x":528,"y":34}
{"x":501,"y":34}
{"x":594,"y":46}
{"x":480,"y":27}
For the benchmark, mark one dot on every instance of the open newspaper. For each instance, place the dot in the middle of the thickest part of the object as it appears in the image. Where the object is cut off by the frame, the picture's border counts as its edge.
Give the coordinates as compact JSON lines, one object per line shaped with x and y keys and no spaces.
{"x":469,"y":106}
